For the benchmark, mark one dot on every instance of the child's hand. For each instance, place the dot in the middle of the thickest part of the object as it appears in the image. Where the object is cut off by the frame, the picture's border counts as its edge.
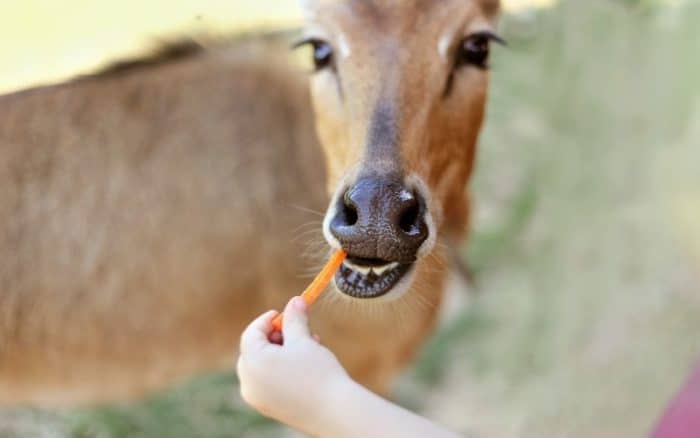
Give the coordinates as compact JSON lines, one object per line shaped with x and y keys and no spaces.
{"x":287,"y":382}
{"x":302,"y":384}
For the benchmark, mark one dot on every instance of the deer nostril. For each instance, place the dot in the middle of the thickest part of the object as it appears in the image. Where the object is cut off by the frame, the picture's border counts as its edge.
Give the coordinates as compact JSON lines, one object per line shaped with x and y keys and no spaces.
{"x":408,"y":221}
{"x":349,"y":210}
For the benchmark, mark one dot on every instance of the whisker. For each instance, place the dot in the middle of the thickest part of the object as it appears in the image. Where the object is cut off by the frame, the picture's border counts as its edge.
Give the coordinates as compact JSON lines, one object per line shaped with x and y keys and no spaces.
{"x":306,"y":225}
{"x":307,"y":235}
{"x":308,"y":210}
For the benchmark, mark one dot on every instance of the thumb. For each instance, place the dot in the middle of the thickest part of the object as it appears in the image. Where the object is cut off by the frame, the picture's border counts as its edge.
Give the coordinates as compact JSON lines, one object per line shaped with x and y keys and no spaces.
{"x":296,"y":322}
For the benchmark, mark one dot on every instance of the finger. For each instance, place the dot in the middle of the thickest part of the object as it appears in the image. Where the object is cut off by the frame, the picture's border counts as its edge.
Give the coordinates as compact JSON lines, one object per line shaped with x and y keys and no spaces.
{"x":275,"y":337}
{"x":255,"y":335}
{"x":296,"y":325}
{"x":317,"y":338}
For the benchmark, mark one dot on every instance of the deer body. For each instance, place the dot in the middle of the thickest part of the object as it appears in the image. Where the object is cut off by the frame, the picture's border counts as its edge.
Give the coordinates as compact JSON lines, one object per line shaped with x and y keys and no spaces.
{"x":144,"y":221}
{"x":147,"y":216}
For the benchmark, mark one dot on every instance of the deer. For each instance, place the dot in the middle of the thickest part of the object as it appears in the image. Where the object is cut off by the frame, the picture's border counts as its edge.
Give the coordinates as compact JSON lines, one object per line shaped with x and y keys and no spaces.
{"x":399,"y":91}
{"x":150,"y":211}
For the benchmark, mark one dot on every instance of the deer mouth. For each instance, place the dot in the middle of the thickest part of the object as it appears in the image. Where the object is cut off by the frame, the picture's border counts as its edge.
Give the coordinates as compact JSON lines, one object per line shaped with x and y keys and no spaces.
{"x":369,"y":278}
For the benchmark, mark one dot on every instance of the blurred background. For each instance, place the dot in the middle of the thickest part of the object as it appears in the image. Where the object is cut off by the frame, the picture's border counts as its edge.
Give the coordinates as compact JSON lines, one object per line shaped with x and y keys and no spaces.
{"x":585,"y":314}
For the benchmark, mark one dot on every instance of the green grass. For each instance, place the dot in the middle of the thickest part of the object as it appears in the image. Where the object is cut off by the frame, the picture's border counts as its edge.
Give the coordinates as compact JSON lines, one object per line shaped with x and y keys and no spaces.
{"x":205,"y":406}
{"x":587,"y":313}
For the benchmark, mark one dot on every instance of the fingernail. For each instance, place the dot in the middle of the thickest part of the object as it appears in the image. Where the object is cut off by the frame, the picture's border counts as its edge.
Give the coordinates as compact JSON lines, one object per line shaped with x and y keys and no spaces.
{"x":299,"y":303}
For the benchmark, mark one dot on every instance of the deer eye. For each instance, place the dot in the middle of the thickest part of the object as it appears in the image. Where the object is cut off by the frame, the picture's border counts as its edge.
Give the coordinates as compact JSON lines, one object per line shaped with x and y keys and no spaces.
{"x":321,"y":52}
{"x":474,"y":49}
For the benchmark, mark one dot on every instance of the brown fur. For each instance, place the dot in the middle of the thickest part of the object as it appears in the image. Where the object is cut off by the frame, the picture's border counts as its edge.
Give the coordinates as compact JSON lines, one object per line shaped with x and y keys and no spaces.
{"x":147,"y":216}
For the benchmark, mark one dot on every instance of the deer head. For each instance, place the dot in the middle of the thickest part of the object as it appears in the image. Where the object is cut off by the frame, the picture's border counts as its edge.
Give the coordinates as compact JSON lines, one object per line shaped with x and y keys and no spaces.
{"x":399,"y":91}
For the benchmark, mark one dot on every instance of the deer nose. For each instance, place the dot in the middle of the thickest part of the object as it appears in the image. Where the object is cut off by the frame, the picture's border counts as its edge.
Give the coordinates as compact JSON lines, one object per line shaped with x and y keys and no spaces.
{"x":380,"y":218}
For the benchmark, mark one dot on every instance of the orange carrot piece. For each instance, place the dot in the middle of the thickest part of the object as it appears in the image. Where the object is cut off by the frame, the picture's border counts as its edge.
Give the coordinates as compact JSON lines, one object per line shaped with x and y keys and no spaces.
{"x":317,"y":286}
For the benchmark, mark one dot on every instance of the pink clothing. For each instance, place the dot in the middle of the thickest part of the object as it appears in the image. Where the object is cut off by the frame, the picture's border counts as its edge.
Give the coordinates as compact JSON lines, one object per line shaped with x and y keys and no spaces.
{"x":682,"y":416}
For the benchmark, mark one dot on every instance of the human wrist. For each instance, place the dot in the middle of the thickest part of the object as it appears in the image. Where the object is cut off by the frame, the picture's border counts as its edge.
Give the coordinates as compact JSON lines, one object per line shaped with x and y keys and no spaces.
{"x":339,"y":396}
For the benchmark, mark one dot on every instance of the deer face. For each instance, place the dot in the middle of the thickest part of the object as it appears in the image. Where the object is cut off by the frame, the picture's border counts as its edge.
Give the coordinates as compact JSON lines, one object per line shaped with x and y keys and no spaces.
{"x":399,"y":93}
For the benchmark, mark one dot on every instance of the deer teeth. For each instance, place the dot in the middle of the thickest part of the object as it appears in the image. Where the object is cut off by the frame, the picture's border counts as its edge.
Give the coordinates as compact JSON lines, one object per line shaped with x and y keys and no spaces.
{"x":364,"y":270}
{"x":379,"y":270}
{"x":376,"y":270}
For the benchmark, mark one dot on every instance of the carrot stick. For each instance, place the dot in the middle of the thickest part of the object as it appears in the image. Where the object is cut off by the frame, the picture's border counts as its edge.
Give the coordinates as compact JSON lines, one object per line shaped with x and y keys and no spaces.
{"x":317,"y":286}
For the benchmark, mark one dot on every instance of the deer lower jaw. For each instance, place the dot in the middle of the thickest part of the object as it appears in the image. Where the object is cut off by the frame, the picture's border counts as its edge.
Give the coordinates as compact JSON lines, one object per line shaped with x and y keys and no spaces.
{"x":364,"y":279}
